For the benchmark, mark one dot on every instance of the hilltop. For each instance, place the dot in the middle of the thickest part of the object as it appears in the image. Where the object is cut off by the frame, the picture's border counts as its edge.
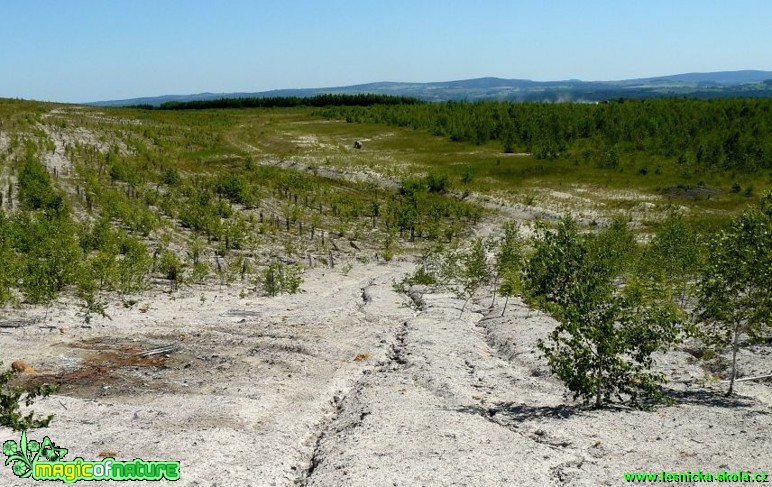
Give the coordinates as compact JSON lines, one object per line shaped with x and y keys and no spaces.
{"x":719,"y":84}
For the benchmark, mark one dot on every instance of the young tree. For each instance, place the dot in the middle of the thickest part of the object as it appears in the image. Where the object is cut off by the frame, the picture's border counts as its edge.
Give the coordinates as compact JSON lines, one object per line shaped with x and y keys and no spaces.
{"x":473,"y":270}
{"x":200,"y":268}
{"x":604,"y":351}
{"x":133,"y":265}
{"x":508,"y":264}
{"x":556,"y":266}
{"x":672,"y":256}
{"x":171,"y":267}
{"x":52,"y":255}
{"x":735,"y":290}
{"x":601,"y":348}
{"x":88,"y":294}
{"x":8,"y":260}
{"x":270,"y":278}
{"x":280,"y":278}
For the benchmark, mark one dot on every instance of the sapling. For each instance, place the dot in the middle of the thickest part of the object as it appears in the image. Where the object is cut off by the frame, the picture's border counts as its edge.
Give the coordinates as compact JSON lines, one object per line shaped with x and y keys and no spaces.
{"x":734,"y":291}
{"x":474,"y":270}
{"x":508,"y":264}
{"x":603,"y":344}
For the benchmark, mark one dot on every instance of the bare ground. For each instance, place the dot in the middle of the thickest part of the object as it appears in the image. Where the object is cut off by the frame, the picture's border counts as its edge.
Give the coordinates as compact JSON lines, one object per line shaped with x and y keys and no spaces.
{"x":349,"y":383}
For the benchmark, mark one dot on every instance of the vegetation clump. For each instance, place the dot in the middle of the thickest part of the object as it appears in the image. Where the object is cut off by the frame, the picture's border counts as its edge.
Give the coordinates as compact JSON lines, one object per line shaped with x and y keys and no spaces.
{"x":278,"y":278}
{"x":13,"y":395}
{"x":735,"y":290}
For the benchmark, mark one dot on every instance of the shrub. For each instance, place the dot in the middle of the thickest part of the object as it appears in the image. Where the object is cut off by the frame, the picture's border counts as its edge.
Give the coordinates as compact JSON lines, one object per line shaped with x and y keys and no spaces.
{"x":601,"y":348}
{"x":52,"y":255}
{"x":171,"y":267}
{"x":10,"y":398}
{"x":8,"y":260}
{"x":437,"y":183}
{"x":473,"y":270}
{"x":87,"y":292}
{"x":673,"y":256}
{"x":279,"y":278}
{"x":36,"y":191}
{"x":171,"y":177}
{"x":734,"y":292}
{"x":421,"y":277}
{"x":133,"y":265}
{"x":508,"y":264}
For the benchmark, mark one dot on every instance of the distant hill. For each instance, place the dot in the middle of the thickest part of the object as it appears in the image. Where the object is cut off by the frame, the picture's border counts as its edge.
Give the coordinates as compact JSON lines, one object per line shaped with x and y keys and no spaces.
{"x":719,"y":84}
{"x":719,"y":78}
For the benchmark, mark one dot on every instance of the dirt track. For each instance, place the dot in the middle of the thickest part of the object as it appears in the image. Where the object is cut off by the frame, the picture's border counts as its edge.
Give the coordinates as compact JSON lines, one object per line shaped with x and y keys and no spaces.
{"x":348,"y":383}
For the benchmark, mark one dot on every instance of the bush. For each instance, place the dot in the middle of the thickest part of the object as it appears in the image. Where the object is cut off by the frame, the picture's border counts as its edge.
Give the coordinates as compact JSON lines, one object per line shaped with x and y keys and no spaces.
{"x":171,"y":267}
{"x":171,"y":177}
{"x":280,"y":278}
{"x":673,"y":256}
{"x":508,"y":264}
{"x":734,"y":292}
{"x":8,"y":260}
{"x":237,"y":189}
{"x":601,"y":348}
{"x":437,"y":183}
{"x":420,"y":277}
{"x":469,"y":268}
{"x":10,"y":398}
{"x":35,"y":189}
{"x":52,"y":256}
{"x":133,"y":265}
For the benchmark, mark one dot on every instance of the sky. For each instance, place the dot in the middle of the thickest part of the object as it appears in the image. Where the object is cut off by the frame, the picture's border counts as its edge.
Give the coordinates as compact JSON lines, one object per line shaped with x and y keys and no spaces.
{"x":93,"y":50}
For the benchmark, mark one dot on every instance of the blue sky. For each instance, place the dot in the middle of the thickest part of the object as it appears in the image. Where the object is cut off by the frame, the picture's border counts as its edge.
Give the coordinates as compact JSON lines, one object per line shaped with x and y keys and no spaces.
{"x":88,"y":50}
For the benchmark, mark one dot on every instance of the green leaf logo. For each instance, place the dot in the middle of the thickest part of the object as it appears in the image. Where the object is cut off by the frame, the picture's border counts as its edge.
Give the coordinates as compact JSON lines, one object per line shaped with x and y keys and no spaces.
{"x":51,"y":452}
{"x":9,"y":448}
{"x":21,"y":457}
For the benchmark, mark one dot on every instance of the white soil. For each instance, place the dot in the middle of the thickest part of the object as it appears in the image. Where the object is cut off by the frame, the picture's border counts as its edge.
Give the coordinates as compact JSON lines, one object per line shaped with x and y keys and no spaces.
{"x":347,"y":383}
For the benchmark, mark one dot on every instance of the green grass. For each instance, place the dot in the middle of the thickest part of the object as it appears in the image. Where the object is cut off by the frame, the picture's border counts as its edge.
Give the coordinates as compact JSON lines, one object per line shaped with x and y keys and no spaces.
{"x":210,"y":141}
{"x":167,"y":179}
{"x":296,"y":134}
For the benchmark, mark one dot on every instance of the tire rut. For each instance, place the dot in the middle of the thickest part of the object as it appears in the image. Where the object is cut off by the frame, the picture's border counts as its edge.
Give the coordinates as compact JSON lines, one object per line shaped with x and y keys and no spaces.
{"x":395,"y":359}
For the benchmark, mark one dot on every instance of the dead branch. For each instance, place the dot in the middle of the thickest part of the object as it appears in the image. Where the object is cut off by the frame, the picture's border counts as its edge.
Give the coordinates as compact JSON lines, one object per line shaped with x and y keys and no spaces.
{"x":758,"y":377}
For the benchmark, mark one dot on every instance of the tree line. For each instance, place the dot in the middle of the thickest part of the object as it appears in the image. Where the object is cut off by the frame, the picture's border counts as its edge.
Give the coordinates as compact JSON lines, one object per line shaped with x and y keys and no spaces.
{"x":725,"y":134}
{"x":328,"y":99}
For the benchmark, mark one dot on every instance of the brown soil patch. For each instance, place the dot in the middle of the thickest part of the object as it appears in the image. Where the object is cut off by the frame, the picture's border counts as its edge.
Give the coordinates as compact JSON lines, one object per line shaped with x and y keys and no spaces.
{"x":112,"y":364}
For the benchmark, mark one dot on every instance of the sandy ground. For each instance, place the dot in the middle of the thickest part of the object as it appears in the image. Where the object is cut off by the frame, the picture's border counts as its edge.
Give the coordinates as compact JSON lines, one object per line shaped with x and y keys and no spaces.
{"x":350,"y":383}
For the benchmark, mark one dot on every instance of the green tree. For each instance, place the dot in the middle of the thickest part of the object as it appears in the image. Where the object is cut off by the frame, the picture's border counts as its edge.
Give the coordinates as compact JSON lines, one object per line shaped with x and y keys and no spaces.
{"x":603,"y":352}
{"x":171,"y":267}
{"x":474,"y":270}
{"x":8,"y":260}
{"x":52,"y":255}
{"x":734,"y":291}
{"x":36,"y":191}
{"x":134,"y":263}
{"x":88,"y":294}
{"x":200,"y":268}
{"x":601,"y":348}
{"x":673,"y":255}
{"x":278,"y":278}
{"x":508,"y":264}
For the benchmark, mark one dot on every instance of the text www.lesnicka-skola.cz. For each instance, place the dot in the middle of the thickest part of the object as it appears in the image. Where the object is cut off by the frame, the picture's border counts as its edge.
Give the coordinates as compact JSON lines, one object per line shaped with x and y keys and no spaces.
{"x":697,"y":476}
